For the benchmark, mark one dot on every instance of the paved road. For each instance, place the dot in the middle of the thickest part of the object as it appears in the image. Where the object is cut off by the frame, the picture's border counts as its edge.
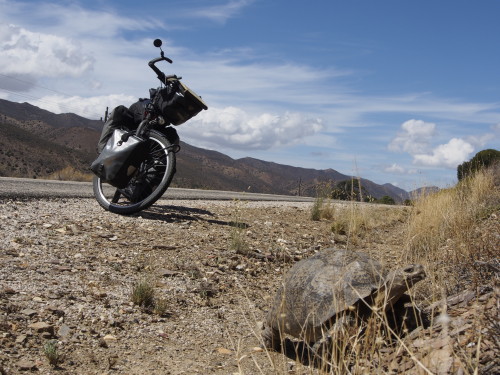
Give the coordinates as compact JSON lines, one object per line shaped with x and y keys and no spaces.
{"x":31,"y":188}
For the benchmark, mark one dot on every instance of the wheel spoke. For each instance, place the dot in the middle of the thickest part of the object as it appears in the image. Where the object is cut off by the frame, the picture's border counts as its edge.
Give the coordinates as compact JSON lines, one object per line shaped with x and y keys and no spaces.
{"x":116,"y":196}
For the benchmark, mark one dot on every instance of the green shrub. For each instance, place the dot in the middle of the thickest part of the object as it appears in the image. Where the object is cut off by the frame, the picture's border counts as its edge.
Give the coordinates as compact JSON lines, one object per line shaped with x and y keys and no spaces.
{"x":386,"y":200}
{"x":482,"y":159}
{"x":143,"y":294}
{"x":51,"y":353}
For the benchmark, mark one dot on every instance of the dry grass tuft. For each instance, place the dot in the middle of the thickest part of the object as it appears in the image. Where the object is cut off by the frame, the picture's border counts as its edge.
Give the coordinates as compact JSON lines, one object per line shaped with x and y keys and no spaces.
{"x":51,"y":352}
{"x":443,"y":227}
{"x":70,"y":174}
{"x":356,"y":220}
{"x":143,"y":294}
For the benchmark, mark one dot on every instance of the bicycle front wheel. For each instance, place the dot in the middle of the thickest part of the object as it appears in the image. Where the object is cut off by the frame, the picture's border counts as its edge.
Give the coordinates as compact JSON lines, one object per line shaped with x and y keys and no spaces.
{"x":151,"y":180}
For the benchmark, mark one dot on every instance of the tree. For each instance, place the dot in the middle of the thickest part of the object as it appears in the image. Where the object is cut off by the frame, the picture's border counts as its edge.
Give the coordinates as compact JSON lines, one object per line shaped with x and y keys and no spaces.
{"x":482,"y":159}
{"x":386,"y":200}
{"x":350,"y":190}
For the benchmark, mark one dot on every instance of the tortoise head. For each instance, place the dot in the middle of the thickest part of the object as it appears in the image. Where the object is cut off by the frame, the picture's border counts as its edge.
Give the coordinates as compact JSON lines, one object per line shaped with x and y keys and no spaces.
{"x":399,"y":281}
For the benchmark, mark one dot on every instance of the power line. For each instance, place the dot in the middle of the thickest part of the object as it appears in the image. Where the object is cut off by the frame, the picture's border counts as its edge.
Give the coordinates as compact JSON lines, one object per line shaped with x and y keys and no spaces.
{"x":34,"y":84}
{"x":67,"y":108}
{"x":64,"y":107}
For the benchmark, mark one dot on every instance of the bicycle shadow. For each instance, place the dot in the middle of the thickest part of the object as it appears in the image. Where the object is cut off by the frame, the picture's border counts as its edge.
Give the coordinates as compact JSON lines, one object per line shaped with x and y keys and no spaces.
{"x":178,"y":214}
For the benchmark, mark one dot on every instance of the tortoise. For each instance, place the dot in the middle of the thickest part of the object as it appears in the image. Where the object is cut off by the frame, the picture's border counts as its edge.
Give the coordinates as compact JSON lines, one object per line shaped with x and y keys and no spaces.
{"x":320,"y":291}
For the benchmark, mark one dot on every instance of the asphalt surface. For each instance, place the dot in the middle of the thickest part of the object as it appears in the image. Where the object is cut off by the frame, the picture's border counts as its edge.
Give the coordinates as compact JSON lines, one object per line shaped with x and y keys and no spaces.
{"x":35,"y":188}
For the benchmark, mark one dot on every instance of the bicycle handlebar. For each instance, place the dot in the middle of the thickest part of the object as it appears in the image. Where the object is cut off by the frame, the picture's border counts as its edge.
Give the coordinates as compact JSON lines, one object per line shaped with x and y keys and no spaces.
{"x":159,"y":73}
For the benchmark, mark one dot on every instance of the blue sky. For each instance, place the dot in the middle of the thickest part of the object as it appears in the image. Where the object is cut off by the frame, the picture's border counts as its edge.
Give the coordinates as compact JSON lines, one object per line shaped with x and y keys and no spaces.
{"x":393,"y":91}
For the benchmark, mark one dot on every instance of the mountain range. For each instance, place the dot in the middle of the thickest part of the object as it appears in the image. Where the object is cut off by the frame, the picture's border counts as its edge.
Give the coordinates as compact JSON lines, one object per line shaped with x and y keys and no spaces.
{"x":35,"y":143}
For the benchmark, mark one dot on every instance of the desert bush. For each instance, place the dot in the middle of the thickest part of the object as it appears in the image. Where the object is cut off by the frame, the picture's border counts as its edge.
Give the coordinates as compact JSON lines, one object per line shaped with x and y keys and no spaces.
{"x":51,"y":352}
{"x":143,"y":294}
{"x":237,"y":237}
{"x":350,"y":190}
{"x":316,"y":209}
{"x":386,"y":200}
{"x":483,"y":159}
{"x":70,"y":174}
{"x":322,"y":207}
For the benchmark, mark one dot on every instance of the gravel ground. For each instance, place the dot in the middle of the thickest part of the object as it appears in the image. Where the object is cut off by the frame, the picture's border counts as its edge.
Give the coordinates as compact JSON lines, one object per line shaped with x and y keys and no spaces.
{"x":68,"y":269}
{"x":70,"y":266}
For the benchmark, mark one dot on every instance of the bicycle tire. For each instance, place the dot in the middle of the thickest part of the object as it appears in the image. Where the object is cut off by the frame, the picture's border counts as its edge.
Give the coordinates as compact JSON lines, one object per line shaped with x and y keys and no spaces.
{"x":155,"y":172}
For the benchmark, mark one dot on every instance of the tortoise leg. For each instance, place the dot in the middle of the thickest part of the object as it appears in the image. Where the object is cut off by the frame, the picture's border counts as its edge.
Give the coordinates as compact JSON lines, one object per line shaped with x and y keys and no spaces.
{"x":328,"y":353}
{"x":271,"y":339}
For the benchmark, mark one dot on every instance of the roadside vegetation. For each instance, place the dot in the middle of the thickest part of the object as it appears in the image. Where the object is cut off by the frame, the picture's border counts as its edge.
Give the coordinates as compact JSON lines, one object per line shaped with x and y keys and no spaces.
{"x":70,"y":174}
{"x":454,"y":234}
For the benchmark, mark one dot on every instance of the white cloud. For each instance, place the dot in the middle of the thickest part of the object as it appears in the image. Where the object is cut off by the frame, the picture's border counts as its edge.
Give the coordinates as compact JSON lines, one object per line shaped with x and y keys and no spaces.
{"x":414,"y":137}
{"x":479,"y":141}
{"x":448,"y":155}
{"x":220,"y":12}
{"x":27,"y":54}
{"x":93,"y":107}
{"x":235,"y":128}
{"x":395,"y":168}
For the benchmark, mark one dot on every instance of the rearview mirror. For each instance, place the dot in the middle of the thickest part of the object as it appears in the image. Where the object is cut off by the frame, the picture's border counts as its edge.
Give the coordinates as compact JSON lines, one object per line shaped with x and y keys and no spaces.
{"x":157,"y":43}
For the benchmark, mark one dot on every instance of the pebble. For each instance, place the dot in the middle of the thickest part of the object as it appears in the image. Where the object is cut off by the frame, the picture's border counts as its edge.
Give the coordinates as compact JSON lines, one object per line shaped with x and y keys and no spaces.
{"x":29,"y":312}
{"x":63,"y":331}
{"x":42,"y":327}
{"x":21,"y":339}
{"x":26,"y":365}
{"x":224,"y":351}
{"x":7,"y":290}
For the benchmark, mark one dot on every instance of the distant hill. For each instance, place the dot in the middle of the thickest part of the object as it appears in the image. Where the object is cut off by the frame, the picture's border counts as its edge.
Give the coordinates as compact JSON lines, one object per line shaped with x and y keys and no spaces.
{"x":35,"y":143}
{"x":423,"y":191}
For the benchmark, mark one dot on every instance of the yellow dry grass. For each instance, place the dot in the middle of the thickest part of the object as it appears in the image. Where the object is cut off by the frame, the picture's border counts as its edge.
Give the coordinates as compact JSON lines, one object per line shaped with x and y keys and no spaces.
{"x":70,"y":174}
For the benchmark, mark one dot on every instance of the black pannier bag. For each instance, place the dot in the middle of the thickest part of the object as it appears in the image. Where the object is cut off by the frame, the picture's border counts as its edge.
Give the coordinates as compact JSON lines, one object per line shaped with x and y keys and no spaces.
{"x":177,"y":103}
{"x":120,"y":118}
{"x":119,"y":159}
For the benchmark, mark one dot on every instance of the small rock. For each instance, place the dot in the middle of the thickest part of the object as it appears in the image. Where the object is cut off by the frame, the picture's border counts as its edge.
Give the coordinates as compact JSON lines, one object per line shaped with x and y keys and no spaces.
{"x":167,"y":273}
{"x":42,"y":327}
{"x":63,"y":331}
{"x":12,"y":253}
{"x":224,"y":351}
{"x":25,"y":365}
{"x":439,"y":361}
{"x":103,"y":343}
{"x":29,"y":312}
{"x":37,"y":299}
{"x":56,"y":311}
{"x":7,"y":290}
{"x":21,"y":339}
{"x":62,"y":268}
